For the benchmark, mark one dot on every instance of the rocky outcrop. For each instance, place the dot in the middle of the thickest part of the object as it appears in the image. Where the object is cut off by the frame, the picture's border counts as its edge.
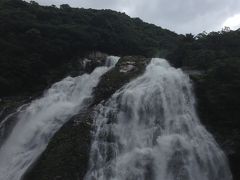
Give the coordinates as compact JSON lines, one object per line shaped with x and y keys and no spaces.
{"x":66,"y":157}
{"x":93,"y":60}
{"x":118,"y":76}
{"x":86,"y":64}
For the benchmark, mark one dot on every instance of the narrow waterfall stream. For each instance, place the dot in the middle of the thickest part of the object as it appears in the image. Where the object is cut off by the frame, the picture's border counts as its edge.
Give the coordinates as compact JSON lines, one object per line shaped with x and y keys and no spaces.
{"x":149,"y":130}
{"x":42,"y":118}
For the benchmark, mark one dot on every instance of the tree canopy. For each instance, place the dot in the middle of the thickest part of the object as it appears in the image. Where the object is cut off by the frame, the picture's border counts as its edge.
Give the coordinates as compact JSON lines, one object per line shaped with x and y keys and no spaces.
{"x":37,"y":42}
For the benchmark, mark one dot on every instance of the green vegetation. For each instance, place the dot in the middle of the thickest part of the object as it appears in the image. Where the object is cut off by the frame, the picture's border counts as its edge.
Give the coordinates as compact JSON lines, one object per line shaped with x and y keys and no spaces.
{"x":114,"y":79}
{"x":217,"y":56}
{"x":204,"y":50}
{"x":40,"y":45}
{"x":67,"y":153}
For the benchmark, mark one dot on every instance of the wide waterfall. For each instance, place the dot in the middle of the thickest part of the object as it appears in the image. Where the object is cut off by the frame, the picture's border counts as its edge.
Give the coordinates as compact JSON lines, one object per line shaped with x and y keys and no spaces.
{"x":149,"y":130}
{"x":43,"y":117}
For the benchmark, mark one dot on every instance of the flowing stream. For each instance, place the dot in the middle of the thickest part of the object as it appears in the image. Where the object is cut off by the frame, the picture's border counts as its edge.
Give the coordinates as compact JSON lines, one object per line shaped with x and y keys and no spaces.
{"x":149,"y":130}
{"x":42,"y":118}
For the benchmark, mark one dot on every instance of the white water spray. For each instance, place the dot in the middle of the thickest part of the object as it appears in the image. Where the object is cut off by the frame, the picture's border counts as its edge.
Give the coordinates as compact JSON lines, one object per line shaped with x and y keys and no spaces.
{"x":43,"y":117}
{"x":149,"y":130}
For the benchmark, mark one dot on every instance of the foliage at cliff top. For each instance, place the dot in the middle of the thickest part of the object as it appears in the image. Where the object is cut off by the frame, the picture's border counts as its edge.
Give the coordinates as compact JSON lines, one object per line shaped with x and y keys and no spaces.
{"x":40,"y":44}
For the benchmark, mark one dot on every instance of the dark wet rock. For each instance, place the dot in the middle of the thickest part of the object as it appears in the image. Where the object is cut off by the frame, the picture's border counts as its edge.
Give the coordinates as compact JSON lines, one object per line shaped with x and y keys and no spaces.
{"x":67,"y":154}
{"x":126,"y":69}
{"x":93,"y":60}
{"x":66,"y":157}
{"x":86,"y":64}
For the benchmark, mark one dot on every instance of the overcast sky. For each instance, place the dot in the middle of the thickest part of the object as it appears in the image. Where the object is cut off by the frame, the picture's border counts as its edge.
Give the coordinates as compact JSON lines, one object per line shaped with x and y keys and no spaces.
{"x":181,"y":16}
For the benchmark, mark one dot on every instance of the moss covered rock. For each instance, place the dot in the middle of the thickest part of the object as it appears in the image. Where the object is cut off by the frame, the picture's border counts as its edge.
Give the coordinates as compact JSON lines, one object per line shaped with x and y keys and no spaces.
{"x":126,"y":69}
{"x":67,"y":154}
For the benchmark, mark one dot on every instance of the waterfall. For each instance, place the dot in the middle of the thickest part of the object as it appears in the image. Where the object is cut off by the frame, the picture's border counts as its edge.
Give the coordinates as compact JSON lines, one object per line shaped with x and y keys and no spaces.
{"x":43,"y":117}
{"x":149,"y":130}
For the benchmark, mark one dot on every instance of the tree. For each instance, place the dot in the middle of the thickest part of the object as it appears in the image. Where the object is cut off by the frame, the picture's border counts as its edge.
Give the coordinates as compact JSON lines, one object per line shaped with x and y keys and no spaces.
{"x":189,"y":38}
{"x":65,"y":7}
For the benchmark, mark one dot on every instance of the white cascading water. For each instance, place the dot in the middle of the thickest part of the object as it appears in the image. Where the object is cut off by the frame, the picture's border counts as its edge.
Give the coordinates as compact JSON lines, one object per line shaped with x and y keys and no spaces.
{"x":43,"y":117}
{"x":149,"y":130}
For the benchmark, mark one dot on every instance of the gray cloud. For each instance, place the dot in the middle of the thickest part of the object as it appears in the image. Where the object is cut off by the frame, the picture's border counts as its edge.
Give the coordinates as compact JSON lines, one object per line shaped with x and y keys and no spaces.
{"x":182,"y":16}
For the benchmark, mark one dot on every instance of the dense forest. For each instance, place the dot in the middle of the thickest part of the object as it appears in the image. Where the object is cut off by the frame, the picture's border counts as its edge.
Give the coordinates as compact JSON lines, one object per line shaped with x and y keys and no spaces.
{"x":217,"y":57}
{"x":41,"y":44}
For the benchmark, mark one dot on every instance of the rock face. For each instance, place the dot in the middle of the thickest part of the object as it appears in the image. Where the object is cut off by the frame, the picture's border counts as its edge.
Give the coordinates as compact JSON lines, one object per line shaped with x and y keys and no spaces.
{"x":118,"y":76}
{"x":86,"y":64}
{"x":66,"y":157}
{"x":92,"y":61}
{"x":67,"y":154}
